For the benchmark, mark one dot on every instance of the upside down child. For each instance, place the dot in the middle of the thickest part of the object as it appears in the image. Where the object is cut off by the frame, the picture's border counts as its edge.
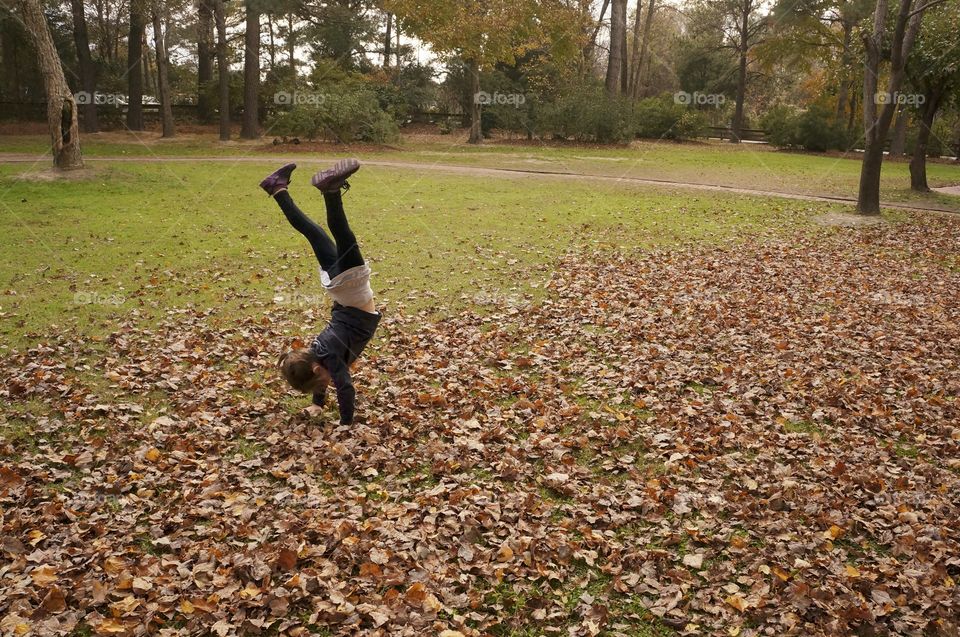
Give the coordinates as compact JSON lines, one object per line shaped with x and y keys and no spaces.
{"x":345,"y":276}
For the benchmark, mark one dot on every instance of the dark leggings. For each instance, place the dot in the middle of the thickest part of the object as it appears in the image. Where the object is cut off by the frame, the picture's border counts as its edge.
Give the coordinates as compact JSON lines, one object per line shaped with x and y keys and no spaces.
{"x":335,"y":256}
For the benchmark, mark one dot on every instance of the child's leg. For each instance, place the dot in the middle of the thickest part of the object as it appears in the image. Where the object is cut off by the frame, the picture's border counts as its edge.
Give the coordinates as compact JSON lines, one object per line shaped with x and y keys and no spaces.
{"x":323,"y":247}
{"x":347,"y":249}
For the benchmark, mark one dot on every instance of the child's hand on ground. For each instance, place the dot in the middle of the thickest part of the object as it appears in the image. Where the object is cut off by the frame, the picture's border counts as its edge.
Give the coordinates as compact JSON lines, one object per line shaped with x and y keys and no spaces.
{"x":313,"y":411}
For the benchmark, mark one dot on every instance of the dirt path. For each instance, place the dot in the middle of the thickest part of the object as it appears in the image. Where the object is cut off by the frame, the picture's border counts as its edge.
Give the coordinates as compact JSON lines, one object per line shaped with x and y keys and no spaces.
{"x":515,"y":173}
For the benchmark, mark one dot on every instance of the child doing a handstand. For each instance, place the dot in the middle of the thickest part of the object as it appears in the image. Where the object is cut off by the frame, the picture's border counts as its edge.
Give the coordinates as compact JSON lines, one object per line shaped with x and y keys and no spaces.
{"x":345,"y":276}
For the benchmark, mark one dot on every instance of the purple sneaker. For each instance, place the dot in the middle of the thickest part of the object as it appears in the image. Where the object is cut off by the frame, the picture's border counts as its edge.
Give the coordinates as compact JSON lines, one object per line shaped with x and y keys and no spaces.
{"x":333,"y":179}
{"x":278,"y":179}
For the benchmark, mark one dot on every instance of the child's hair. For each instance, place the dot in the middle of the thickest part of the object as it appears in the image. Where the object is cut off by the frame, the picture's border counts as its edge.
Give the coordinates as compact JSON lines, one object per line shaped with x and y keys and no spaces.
{"x":296,"y":366}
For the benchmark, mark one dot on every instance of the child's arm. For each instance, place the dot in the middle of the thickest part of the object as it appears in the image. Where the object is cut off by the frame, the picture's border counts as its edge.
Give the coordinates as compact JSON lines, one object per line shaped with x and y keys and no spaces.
{"x":346,"y":394}
{"x":320,"y":395}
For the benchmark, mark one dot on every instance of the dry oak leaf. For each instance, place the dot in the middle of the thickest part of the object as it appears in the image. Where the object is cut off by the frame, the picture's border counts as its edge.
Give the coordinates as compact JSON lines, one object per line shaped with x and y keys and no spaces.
{"x":43,"y":575}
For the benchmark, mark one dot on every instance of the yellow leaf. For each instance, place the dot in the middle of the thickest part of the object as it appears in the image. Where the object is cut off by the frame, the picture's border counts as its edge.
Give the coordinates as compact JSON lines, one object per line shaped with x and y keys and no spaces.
{"x":110,"y":627}
{"x":187,"y":608}
{"x":250,"y":591}
{"x":125,"y":605}
{"x":44,"y":575}
{"x":114,"y":565}
{"x":35,"y":537}
{"x":733,"y":632}
{"x":505,"y":554}
{"x":431,"y":604}
{"x":852,"y":571}
{"x":782,"y":574}
{"x":948,"y":582}
{"x":153,"y":454}
{"x":737,"y":601}
{"x":833,"y":532}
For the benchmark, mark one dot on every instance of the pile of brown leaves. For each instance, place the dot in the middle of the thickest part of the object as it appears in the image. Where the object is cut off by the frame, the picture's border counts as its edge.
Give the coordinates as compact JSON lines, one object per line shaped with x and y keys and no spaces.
{"x":760,"y":439}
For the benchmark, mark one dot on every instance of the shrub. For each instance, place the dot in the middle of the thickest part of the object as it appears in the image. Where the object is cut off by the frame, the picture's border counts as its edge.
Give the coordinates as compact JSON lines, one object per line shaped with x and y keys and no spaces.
{"x":663,"y":118}
{"x":781,"y":127}
{"x":814,"y":129}
{"x":341,"y":116}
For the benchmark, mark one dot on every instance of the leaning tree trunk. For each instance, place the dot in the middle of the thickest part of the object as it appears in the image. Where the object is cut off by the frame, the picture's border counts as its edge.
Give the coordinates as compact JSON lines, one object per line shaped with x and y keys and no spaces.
{"x":134,"y":67}
{"x":223,"y":71}
{"x":61,"y":107}
{"x":163,"y":82}
{"x":205,"y":48}
{"x":644,"y":44}
{"x":88,"y":77}
{"x":591,"y":43}
{"x":476,"y":133}
{"x":251,"y":74}
{"x":918,"y":163}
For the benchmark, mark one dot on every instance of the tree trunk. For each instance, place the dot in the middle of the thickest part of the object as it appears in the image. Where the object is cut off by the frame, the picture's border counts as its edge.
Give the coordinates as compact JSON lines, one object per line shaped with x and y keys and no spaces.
{"x":744,"y":46}
{"x":918,"y":163}
{"x":635,"y":49}
{"x":618,"y":26}
{"x":223,"y":71}
{"x":643,"y":48}
{"x":88,"y":78}
{"x":163,"y":81}
{"x":876,"y":117}
{"x":624,"y":54}
{"x":61,"y":107}
{"x":251,"y":74}
{"x":205,"y":49}
{"x":844,"y":70}
{"x":868,"y":200}
{"x":134,"y":67}
{"x":149,"y":79}
{"x":476,"y":133}
{"x":273,"y":45}
{"x":387,"y":41}
{"x":591,"y":44}
{"x":898,"y":144}
{"x":291,"y":46}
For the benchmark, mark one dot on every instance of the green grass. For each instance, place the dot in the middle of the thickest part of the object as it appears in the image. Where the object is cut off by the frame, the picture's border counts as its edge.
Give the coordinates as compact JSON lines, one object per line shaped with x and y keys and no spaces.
{"x":84,"y":252}
{"x":745,"y":166}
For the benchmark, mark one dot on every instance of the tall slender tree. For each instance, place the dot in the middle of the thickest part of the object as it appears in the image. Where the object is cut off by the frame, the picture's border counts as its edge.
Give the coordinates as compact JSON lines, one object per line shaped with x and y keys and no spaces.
{"x":88,"y":72}
{"x":251,"y":72}
{"x":61,"y":106}
{"x":163,"y":81}
{"x":205,"y":55}
{"x":135,"y":66}
{"x":618,"y":33}
{"x":223,"y":70}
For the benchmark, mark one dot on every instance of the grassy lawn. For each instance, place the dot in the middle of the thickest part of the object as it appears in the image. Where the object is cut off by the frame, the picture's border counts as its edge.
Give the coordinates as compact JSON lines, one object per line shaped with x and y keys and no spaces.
{"x":154,"y":236}
{"x":747,"y":166}
{"x":591,"y":408}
